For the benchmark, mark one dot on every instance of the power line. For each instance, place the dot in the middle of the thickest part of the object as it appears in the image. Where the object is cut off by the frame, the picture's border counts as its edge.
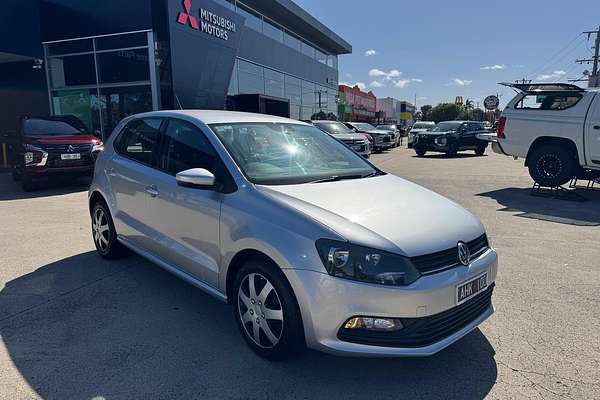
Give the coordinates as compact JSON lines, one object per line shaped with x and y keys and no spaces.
{"x":548,"y":62}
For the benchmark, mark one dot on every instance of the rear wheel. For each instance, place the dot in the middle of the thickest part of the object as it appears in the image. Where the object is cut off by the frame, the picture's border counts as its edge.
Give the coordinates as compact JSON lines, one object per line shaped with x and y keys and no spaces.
{"x":480,"y":151}
{"x":104,"y":233}
{"x":552,"y":165}
{"x":266,"y":311}
{"x":420,"y":152}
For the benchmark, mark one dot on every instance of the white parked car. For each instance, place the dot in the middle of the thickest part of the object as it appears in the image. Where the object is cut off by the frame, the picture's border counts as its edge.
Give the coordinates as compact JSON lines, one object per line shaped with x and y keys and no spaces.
{"x":310,"y":243}
{"x":555,"y":127}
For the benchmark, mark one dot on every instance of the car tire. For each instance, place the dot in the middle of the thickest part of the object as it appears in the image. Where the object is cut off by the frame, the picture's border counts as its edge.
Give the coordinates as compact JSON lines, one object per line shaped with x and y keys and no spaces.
{"x":452,"y":150}
{"x":552,"y":166}
{"x":480,"y":151}
{"x":420,"y":152}
{"x":274,"y":338}
{"x":104,"y":233}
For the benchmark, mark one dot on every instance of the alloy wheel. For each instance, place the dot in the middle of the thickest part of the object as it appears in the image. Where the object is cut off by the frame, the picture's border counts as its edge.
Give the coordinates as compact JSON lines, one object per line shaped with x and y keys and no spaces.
{"x":101,"y":230}
{"x":550,"y":166}
{"x":260,"y":310}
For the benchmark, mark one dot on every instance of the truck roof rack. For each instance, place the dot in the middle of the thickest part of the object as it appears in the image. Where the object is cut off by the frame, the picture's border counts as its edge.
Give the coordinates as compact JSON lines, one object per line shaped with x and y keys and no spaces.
{"x":543,"y":87}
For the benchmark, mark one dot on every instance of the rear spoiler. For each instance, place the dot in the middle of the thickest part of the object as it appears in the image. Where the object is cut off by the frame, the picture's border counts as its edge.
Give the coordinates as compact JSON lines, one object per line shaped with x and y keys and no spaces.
{"x":543,"y":87}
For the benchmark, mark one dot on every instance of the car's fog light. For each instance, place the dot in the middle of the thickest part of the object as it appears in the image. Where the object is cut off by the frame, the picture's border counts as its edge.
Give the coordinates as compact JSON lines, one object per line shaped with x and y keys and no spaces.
{"x":375,"y":324}
{"x":441,"y":141}
{"x":28,"y":157}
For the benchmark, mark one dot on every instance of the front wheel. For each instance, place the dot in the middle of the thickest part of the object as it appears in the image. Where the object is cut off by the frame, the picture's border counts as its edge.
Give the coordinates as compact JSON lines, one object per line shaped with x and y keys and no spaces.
{"x":480,"y":151}
{"x":266,"y":311}
{"x":552,"y":166}
{"x":420,"y":152}
{"x":452,"y":150}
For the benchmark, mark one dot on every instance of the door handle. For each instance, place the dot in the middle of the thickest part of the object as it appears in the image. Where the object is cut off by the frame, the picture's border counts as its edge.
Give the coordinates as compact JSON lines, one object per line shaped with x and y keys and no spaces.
{"x":152,"y":191}
{"x":110,"y":172}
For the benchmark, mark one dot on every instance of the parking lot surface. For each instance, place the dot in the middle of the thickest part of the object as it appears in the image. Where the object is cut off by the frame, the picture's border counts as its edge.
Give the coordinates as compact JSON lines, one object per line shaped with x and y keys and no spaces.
{"x":73,"y":326}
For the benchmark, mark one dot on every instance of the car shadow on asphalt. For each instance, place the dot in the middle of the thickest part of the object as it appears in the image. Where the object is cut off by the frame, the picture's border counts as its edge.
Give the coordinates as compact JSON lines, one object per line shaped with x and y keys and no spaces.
{"x":446,"y":157}
{"x":10,"y":190}
{"x":520,"y":201}
{"x":83,"y":327}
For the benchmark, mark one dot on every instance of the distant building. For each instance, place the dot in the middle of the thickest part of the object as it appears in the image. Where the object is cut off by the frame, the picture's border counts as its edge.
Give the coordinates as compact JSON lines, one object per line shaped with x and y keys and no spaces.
{"x":407,"y":113}
{"x":389,"y":108}
{"x":362,"y":105}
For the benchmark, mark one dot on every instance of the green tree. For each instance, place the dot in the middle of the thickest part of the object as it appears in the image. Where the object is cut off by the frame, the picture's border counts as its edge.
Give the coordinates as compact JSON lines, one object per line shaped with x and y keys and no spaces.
{"x":426,"y":112}
{"x":444,"y":112}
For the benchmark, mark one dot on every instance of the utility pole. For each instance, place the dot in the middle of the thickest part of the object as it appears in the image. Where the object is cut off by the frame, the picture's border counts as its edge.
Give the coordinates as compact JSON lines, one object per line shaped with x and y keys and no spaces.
{"x":594,"y":79}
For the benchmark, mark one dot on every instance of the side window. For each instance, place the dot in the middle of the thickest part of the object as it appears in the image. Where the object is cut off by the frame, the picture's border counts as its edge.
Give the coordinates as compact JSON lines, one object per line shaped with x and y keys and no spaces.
{"x":474,"y":127}
{"x":138,"y":140}
{"x":185,"y":147}
{"x":559,"y":101}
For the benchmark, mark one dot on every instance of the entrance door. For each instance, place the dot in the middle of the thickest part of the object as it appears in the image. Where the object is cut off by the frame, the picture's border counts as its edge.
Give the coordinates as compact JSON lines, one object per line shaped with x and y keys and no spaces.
{"x":120,"y":102}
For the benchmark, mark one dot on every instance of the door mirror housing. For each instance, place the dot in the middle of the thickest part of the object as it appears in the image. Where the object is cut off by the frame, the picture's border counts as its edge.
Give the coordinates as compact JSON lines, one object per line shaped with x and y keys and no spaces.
{"x":196,"y":178}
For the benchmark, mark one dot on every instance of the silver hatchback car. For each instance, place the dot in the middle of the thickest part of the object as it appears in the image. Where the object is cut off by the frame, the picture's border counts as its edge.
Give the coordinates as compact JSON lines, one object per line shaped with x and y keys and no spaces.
{"x":310,"y":243}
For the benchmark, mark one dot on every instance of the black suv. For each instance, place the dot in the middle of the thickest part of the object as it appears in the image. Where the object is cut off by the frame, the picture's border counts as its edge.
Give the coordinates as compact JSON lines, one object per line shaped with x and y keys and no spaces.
{"x":450,"y":137}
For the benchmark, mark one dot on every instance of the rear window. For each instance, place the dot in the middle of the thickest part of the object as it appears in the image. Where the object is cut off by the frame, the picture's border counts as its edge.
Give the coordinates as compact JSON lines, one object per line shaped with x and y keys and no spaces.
{"x":548,"y":101}
{"x":53,"y":127}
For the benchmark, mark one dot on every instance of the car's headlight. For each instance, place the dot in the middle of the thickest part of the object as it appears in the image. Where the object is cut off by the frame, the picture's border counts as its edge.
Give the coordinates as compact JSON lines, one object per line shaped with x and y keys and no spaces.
{"x":442,"y":141}
{"x":349,"y":261}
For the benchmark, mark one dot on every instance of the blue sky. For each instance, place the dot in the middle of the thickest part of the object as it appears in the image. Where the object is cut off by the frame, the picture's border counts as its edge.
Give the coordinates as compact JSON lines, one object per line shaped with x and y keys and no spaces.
{"x":441,"y":49}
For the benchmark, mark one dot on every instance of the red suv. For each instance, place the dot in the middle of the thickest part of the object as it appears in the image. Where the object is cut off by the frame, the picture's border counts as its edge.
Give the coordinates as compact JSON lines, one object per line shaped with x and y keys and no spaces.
{"x":50,"y":146}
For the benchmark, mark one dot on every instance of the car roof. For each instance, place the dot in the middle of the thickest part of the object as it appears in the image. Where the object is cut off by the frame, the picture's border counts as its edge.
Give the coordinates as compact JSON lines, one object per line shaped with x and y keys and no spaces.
{"x":219,"y":116}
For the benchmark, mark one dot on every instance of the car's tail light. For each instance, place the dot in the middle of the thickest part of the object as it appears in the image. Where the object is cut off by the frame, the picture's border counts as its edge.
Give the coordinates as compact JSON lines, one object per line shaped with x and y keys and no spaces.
{"x":501,"y":126}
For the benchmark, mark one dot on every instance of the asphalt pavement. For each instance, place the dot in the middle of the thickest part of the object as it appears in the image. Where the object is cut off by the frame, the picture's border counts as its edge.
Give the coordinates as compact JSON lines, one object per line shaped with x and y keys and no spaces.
{"x":73,"y":326}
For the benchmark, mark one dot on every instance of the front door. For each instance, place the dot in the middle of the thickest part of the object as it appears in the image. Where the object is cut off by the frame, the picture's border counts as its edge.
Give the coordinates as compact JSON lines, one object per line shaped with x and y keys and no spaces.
{"x":593,"y":133}
{"x":130,"y":174}
{"x":185,"y":220}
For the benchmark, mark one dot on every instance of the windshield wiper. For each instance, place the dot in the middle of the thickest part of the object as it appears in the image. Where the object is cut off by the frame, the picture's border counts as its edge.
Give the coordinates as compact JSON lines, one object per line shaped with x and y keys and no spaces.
{"x":337,"y":178}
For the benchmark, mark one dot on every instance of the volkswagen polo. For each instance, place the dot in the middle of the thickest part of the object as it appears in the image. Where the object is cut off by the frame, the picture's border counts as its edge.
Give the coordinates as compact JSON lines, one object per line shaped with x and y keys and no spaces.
{"x":268,"y":214}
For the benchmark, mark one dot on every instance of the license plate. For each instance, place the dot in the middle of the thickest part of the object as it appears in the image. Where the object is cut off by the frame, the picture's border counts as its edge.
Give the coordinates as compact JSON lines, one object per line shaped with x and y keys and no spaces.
{"x":73,"y":156}
{"x":467,"y":290}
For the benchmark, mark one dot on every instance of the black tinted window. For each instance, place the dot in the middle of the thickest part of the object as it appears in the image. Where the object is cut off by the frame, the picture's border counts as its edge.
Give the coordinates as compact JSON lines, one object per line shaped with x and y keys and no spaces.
{"x":138,"y":140}
{"x":186,"y":147}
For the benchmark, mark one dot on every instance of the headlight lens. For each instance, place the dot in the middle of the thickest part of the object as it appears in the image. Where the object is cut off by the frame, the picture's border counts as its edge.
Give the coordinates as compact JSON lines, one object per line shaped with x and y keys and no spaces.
{"x":33,"y":154}
{"x":442,"y":141}
{"x":359,"y":263}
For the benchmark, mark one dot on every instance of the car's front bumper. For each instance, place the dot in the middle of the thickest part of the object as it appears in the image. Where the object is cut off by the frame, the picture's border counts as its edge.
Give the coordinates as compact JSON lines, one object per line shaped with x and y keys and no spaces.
{"x":326,"y":303}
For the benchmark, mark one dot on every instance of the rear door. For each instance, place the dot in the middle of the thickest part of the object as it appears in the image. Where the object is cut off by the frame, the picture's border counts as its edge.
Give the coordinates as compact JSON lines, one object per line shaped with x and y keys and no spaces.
{"x":130,"y":177}
{"x":185,"y":221}
{"x":593,"y":134}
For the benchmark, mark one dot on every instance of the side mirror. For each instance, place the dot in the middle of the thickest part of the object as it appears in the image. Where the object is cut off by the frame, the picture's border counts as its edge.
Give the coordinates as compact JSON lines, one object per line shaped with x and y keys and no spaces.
{"x":196,"y":178}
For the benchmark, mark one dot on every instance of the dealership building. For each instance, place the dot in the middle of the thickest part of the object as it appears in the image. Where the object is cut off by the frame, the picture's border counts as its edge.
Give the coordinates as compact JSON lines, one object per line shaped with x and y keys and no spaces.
{"x":104,"y":60}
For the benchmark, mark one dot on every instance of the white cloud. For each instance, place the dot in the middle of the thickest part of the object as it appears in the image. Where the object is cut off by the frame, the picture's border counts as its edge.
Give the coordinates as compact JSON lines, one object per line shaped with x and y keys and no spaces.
{"x":377,"y":72}
{"x":370,"y":53}
{"x":554,"y":75}
{"x":462,"y":82}
{"x":421,"y":98}
{"x":394,"y":73}
{"x":493,"y":67}
{"x":417,"y":80}
{"x":361,"y":85}
{"x":348,"y":75}
{"x":376,"y":84}
{"x":402,"y":83}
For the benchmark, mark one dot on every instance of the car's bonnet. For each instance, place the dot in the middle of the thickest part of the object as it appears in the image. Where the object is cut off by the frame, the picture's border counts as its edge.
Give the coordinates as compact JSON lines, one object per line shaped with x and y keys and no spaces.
{"x":384,"y":212}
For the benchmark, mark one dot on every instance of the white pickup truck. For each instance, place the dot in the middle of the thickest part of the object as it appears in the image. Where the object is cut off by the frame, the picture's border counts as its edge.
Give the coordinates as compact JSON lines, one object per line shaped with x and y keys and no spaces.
{"x":555,"y":127}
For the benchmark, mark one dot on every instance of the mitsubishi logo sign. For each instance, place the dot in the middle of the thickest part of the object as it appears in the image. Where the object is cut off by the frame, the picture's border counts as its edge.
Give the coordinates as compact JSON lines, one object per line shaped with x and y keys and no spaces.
{"x":185,"y":16}
{"x":207,"y":22}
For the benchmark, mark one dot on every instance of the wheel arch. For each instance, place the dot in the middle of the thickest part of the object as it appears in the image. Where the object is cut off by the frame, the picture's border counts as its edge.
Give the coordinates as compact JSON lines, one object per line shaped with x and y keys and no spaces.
{"x":95,"y":196}
{"x":553,"y":140}
{"x":241,"y":258}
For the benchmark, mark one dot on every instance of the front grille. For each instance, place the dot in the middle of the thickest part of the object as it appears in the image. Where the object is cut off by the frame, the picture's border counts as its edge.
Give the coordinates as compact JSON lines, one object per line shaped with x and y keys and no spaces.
{"x":351,"y":142}
{"x":55,"y":151}
{"x":446,"y":259}
{"x":387,"y":139}
{"x":420,"y":332}
{"x":426,"y":139}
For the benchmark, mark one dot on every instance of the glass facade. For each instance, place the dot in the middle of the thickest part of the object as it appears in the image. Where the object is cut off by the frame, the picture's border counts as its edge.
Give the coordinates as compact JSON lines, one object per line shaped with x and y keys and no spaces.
{"x":104,"y":79}
{"x":306,"y":98}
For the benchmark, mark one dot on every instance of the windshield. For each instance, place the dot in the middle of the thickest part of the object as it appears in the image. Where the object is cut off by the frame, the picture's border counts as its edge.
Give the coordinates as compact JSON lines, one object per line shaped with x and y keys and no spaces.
{"x":447,"y":126}
{"x":421,"y":125}
{"x":391,"y":127}
{"x":53,"y":127}
{"x":286,"y":154}
{"x":333,"y":127}
{"x":363,"y":126}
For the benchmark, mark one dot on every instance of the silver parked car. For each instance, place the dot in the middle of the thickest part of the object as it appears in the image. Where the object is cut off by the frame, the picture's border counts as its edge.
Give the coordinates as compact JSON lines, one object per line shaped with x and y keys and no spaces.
{"x":358,"y":142}
{"x":310,"y":243}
